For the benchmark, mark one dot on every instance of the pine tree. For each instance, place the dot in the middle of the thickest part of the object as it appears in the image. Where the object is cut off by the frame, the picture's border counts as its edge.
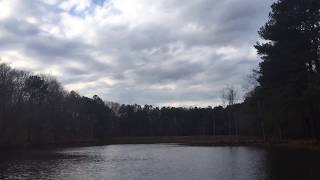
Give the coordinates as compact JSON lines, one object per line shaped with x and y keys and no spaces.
{"x":289,"y":72}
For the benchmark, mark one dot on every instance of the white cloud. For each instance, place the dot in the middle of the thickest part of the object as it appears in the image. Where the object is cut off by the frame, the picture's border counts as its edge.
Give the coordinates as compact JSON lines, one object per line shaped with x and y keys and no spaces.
{"x":7,"y":8}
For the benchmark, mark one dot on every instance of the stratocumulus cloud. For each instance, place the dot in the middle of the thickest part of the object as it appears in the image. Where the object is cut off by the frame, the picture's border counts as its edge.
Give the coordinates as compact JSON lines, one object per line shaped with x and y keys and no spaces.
{"x":164,"y":52}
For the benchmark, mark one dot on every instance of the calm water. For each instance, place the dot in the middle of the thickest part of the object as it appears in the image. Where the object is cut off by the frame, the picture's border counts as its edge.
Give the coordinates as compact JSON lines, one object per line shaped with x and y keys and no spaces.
{"x":160,"y":161}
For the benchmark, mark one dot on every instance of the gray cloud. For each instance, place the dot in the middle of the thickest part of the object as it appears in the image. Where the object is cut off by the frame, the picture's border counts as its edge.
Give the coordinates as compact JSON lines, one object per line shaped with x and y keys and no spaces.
{"x":165,"y":53}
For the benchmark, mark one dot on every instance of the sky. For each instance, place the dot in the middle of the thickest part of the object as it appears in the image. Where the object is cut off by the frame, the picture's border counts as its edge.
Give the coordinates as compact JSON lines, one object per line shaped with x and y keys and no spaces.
{"x":163,"y":52}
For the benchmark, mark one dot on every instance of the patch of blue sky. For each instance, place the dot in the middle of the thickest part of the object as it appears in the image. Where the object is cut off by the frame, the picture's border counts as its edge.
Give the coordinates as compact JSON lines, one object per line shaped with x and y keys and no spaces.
{"x":88,"y":10}
{"x":99,"y":2}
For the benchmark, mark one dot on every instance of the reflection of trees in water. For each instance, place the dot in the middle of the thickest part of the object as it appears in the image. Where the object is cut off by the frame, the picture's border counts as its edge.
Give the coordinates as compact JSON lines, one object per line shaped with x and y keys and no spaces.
{"x":41,"y":164}
{"x":159,"y":161}
{"x":292,"y":164}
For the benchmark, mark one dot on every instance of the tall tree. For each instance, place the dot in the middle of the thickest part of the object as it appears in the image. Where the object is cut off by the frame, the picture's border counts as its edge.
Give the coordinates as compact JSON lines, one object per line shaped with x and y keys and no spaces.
{"x":291,"y":62}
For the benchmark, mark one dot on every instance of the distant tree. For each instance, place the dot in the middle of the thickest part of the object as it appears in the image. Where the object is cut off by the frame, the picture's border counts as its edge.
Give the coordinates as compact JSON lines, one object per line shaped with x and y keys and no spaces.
{"x":37,"y":89}
{"x":229,"y":95}
{"x":6,"y":90}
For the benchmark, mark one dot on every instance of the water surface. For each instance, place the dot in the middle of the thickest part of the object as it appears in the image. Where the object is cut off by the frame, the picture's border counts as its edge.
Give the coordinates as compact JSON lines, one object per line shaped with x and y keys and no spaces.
{"x":161,"y":161}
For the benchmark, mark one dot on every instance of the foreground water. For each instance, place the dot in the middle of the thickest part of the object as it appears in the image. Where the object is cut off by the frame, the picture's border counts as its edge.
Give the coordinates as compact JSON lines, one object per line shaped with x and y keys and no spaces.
{"x":161,"y":161}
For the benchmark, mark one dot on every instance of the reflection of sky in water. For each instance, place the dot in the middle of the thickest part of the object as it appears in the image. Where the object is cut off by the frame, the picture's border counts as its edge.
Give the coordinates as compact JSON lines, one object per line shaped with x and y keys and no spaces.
{"x":158,"y":162}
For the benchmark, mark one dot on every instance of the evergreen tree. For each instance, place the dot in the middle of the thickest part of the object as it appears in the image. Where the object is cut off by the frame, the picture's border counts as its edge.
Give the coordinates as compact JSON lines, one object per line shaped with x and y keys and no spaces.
{"x":290,"y":68}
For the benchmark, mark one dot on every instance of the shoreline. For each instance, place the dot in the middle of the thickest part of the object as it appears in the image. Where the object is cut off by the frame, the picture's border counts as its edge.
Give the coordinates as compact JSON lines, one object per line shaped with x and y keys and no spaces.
{"x":303,"y":144}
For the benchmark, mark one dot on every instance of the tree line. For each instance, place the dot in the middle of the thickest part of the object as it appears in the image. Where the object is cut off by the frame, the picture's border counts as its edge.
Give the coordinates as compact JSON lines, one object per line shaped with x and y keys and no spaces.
{"x":285,"y":103}
{"x":35,"y":110}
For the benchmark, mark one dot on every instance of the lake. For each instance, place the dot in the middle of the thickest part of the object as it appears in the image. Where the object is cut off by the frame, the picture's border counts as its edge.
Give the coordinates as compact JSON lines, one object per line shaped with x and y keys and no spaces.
{"x":161,"y":161}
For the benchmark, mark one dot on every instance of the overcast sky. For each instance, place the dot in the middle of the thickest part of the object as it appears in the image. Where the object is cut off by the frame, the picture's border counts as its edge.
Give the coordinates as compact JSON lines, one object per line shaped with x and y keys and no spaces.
{"x":159,"y":52}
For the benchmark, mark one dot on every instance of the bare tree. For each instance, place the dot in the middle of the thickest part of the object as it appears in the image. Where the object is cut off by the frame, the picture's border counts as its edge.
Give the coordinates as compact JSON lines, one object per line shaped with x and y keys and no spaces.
{"x":229,"y":97}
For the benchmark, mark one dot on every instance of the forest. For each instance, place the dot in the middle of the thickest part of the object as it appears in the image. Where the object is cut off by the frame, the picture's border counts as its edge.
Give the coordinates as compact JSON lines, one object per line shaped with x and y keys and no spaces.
{"x":285,"y":103}
{"x":37,"y":110}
